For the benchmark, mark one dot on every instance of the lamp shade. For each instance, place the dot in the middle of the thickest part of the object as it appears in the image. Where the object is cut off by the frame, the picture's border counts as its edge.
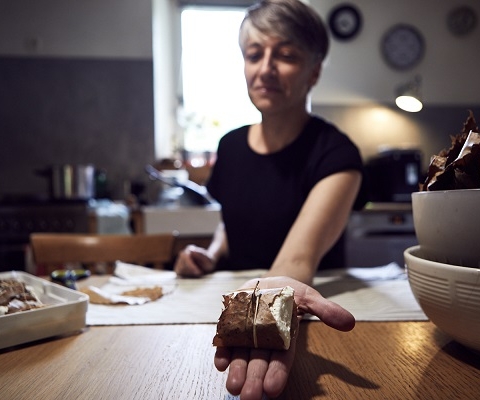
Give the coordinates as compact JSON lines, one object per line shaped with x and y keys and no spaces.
{"x":408,"y":96}
{"x":409,"y":103}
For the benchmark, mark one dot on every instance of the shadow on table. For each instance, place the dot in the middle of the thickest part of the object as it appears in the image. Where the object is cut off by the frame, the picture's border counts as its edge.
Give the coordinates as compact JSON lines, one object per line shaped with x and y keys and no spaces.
{"x":53,"y":339}
{"x":460,"y":386}
{"x":456,"y":350}
{"x":304,"y":381}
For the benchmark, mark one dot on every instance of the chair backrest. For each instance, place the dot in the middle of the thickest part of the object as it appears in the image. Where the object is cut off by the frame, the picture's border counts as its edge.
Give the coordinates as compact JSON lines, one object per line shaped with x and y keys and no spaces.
{"x":55,"y":250}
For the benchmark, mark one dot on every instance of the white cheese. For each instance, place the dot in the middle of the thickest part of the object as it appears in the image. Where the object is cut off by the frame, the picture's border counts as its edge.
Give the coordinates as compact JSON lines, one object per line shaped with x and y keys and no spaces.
{"x":282,"y":312}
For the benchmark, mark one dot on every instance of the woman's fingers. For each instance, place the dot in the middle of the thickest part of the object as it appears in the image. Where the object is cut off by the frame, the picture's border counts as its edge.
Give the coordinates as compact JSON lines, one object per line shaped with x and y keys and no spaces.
{"x":329,"y":312}
{"x":193,"y":262}
{"x":222,"y":358}
{"x":202,"y":260}
{"x":247,"y":373}
{"x":311,"y":301}
{"x":253,"y":372}
{"x":184,"y":266}
{"x":278,"y":370}
{"x":332,"y":315}
{"x":238,"y":370}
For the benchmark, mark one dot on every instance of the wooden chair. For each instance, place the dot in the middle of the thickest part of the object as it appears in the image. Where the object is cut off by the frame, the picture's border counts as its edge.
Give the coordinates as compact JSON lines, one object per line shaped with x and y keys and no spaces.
{"x":99,"y":252}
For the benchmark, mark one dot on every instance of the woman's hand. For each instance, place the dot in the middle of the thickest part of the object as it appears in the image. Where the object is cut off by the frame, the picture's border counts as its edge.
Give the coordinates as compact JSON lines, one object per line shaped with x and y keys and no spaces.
{"x":254,"y":372}
{"x":193,"y":261}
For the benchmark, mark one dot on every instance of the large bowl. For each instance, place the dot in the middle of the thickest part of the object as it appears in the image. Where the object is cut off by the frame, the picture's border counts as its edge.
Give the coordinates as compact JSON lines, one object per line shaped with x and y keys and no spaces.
{"x":449,"y":295}
{"x":447,"y":225}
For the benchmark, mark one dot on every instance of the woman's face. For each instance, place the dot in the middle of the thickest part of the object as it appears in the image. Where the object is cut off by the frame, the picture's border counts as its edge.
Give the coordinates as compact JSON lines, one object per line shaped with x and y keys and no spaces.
{"x":278,"y":73}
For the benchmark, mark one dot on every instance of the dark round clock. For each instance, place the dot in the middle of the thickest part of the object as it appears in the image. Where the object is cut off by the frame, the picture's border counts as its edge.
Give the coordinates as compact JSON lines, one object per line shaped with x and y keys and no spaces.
{"x":345,"y":22}
{"x":402,"y":46}
{"x":462,"y":20}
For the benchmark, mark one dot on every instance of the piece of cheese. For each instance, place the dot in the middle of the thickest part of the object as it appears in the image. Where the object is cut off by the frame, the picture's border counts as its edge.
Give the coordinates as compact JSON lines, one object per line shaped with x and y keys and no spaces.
{"x":258,"y":318}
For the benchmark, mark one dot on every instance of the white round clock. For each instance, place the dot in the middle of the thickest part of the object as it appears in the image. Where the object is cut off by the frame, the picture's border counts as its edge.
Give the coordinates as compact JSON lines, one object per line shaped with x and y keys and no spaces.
{"x":403,"y":46}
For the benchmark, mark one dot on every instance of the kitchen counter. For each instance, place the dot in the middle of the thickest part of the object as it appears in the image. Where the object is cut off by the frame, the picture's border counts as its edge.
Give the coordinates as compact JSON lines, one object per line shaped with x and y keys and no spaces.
{"x":376,"y":235}
{"x":187,"y":221}
{"x":194,"y":224}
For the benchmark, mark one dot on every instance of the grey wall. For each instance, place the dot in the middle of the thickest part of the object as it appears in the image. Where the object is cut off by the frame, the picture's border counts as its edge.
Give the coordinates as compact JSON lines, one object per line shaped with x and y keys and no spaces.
{"x":355,"y":71}
{"x":377,"y":127}
{"x":100,"y":111}
{"x":76,"y":85}
{"x":56,"y":111}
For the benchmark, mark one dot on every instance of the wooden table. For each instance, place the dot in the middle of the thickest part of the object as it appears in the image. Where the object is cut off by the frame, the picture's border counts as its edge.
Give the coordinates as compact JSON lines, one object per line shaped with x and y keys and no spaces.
{"x":377,"y":360}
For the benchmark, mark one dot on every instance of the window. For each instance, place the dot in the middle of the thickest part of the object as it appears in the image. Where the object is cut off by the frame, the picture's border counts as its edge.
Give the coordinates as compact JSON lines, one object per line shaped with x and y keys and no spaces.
{"x":214,"y":93}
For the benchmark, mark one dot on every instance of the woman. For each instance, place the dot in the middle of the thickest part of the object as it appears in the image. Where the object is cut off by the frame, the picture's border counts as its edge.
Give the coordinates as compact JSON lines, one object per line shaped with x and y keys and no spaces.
{"x":286,"y":185}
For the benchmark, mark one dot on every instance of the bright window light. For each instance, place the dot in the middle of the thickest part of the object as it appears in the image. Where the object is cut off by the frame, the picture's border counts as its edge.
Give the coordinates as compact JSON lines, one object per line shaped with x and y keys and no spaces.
{"x":215,"y":98}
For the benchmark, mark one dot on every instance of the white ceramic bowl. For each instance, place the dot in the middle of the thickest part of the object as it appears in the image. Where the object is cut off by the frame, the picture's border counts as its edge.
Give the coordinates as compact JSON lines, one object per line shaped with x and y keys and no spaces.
{"x":447,"y":225}
{"x":449,"y":295}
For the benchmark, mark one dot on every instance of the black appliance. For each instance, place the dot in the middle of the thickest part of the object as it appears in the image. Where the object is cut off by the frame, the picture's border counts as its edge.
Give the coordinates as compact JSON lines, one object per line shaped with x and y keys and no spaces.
{"x":393,"y":175}
{"x":19,"y":217}
{"x":379,"y":234}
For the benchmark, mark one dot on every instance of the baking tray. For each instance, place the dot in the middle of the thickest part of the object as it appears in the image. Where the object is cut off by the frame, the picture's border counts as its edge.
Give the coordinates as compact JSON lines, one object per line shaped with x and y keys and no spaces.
{"x":65,"y":311}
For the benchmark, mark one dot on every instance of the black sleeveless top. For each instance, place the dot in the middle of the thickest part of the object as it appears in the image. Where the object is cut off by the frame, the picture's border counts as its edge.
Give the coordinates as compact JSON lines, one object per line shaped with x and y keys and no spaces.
{"x":262,"y":194}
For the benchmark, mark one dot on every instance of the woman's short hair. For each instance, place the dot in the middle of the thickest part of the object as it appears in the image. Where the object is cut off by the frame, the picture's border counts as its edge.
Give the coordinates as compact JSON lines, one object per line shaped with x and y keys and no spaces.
{"x":291,"y":19}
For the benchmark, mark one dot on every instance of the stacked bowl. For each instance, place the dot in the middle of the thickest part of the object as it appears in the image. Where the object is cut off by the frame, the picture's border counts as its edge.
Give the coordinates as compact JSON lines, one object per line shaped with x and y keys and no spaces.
{"x":444,"y":269}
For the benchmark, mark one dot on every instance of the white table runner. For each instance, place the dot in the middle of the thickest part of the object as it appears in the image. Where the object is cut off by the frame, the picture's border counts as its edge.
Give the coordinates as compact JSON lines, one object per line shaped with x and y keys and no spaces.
{"x":370,"y":294}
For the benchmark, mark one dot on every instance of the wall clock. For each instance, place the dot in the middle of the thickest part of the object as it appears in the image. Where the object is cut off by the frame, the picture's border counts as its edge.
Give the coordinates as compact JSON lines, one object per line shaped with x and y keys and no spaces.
{"x":462,"y":20}
{"x":402,"y":46}
{"x":345,"y":22}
